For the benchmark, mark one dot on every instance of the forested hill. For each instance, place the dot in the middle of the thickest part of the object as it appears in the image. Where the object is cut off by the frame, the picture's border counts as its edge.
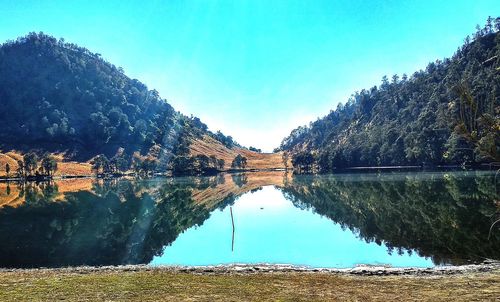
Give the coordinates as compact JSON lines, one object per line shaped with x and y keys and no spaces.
{"x":448,"y":113}
{"x":56,"y":96}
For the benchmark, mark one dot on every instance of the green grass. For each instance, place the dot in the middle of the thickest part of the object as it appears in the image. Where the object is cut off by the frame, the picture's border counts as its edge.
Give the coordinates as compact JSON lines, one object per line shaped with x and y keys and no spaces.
{"x":157,"y":285}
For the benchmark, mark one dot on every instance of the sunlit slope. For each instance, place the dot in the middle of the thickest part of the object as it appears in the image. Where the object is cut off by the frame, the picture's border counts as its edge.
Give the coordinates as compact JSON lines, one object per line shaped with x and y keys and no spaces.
{"x":206,"y":145}
{"x":64,"y":168}
{"x":209,"y":146}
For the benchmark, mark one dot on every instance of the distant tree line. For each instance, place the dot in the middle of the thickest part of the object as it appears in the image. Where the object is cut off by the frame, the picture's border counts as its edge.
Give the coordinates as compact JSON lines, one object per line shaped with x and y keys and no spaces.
{"x":118,"y":164}
{"x":197,"y":165}
{"x":32,"y":166}
{"x":255,"y":149}
{"x":181,"y":163}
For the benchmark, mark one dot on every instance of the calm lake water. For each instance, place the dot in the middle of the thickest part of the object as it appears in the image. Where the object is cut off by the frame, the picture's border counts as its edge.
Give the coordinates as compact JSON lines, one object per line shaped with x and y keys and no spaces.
{"x":417,"y":219}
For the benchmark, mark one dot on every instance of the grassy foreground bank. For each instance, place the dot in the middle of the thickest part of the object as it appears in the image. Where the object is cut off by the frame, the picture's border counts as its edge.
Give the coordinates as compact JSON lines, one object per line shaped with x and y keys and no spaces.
{"x":164,"y":285}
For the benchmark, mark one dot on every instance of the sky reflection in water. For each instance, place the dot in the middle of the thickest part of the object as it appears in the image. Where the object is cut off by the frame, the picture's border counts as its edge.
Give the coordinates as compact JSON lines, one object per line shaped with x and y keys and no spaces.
{"x":400,"y":219}
{"x":270,"y":229}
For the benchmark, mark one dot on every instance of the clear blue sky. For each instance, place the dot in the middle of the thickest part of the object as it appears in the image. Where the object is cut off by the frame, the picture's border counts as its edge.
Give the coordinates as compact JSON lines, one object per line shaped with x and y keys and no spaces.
{"x":256,"y":69}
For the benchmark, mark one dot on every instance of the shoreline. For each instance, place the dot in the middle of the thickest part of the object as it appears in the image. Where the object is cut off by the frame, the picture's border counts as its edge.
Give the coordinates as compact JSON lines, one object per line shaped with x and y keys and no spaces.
{"x":361,"y":270}
{"x":237,"y":171}
{"x":247,"y":283}
{"x":117,"y":176}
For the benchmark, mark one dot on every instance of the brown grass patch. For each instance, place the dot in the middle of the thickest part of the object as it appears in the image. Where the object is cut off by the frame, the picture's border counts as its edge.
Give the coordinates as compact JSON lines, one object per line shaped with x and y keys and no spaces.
{"x":209,"y":146}
{"x":10,"y":158}
{"x":73,"y":169}
{"x":64,"y":168}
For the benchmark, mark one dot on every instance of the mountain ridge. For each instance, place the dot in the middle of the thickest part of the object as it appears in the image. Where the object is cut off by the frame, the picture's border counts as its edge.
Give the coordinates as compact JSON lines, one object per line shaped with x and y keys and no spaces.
{"x":62,"y":98}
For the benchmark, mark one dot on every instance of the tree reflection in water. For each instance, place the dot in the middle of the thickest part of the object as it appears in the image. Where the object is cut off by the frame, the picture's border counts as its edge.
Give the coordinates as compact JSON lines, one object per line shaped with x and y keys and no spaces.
{"x":445,"y":216}
{"x":117,"y":222}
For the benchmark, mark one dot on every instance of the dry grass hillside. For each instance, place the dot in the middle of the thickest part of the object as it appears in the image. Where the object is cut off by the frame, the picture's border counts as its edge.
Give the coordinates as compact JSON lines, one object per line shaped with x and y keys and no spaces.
{"x":209,"y":146}
{"x":71,"y":168}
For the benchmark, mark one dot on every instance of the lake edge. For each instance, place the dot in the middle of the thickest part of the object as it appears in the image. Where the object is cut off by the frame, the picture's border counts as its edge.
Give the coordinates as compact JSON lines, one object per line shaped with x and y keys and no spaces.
{"x":363,"y":270}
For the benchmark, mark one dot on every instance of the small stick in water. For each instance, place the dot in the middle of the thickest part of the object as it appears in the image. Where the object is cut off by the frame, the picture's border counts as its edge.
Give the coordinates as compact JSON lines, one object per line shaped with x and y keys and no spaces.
{"x":232,"y":221}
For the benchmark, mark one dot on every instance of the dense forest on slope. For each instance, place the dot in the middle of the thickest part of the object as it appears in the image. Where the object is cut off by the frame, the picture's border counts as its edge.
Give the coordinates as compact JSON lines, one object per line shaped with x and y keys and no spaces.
{"x":57,"y":96}
{"x":446,"y":114}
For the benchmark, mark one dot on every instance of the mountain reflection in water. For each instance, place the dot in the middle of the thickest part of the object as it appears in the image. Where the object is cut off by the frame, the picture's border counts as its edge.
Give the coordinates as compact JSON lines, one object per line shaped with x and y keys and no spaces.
{"x":444,"y":217}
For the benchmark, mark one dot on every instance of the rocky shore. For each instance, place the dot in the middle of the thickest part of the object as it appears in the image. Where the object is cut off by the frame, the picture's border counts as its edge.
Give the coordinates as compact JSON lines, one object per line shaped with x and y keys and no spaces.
{"x":479,"y":282}
{"x":361,"y":270}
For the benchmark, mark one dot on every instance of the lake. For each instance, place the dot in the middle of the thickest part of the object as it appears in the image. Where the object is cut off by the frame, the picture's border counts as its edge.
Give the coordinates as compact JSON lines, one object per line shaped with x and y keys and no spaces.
{"x":400,"y":219}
